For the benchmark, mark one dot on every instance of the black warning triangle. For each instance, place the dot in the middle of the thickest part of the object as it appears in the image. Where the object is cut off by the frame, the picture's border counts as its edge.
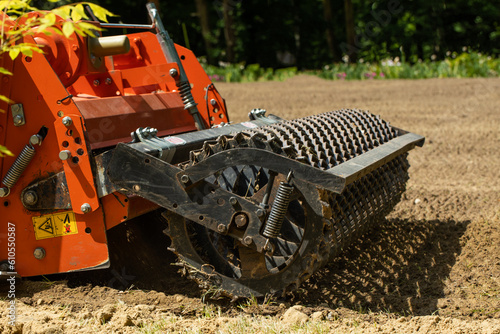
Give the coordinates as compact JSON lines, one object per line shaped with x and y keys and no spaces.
{"x":47,"y":226}
{"x":66,"y":220}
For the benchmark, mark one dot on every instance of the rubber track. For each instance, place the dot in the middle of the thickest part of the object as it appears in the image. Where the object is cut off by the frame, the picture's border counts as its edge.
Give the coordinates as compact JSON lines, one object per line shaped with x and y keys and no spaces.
{"x":325,"y":141}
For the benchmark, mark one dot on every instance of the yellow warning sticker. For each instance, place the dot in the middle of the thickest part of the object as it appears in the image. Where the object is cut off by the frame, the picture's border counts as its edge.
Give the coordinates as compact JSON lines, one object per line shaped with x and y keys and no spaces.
{"x":54,"y":225}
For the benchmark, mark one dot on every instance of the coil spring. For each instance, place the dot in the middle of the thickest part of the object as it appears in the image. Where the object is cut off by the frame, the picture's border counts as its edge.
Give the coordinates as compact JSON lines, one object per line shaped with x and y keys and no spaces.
{"x":278,"y":211}
{"x":19,"y":166}
{"x":186,"y":96}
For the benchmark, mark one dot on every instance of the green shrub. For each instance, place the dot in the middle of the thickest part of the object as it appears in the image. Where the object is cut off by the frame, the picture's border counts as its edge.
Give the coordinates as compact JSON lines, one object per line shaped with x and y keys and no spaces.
{"x":465,"y":65}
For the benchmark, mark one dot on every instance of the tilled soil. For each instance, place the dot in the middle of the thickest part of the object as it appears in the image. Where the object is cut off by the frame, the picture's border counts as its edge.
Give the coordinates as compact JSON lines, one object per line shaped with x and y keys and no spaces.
{"x":432,"y":266}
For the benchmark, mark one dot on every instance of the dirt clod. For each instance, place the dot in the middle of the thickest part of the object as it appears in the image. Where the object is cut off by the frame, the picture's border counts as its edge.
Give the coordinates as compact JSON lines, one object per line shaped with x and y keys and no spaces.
{"x":295,"y":316}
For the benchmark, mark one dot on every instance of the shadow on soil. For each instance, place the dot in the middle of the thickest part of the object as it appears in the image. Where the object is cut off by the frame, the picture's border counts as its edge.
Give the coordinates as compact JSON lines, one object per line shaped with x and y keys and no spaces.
{"x":400,"y":266}
{"x":140,"y":259}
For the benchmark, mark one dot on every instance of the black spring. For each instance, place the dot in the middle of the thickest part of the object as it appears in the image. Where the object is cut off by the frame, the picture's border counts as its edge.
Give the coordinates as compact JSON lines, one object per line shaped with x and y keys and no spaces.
{"x":186,"y":96}
{"x":278,"y":211}
{"x":19,"y":166}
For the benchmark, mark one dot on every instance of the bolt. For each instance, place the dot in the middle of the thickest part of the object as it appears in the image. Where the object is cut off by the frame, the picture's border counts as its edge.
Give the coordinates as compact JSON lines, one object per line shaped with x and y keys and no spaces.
{"x":269,"y":248}
{"x":241,"y":220}
{"x":39,"y":253}
{"x":260,"y":213}
{"x":30,"y":197}
{"x":184,"y":179}
{"x":136,"y":187}
{"x":173,"y":72}
{"x":108,"y":81}
{"x":14,"y":108}
{"x":221,"y":228}
{"x":96,"y":82}
{"x":4,"y":192}
{"x":67,"y":121}
{"x":248,"y":240}
{"x":86,"y":208}
{"x":35,"y":140}
{"x":213,"y":102}
{"x":233,"y":201}
{"x":18,"y":120}
{"x":64,"y":154}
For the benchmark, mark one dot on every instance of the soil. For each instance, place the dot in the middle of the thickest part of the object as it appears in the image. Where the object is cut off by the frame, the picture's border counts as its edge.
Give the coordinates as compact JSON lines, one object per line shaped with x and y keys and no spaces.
{"x":432,"y":266}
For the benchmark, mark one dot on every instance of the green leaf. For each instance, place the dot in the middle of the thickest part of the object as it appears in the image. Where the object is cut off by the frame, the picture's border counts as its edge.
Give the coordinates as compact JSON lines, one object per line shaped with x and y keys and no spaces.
{"x":4,"y":71}
{"x":6,"y":99}
{"x":5,"y":151}
{"x":49,"y":19}
{"x":78,"y":13}
{"x":68,"y":29}
{"x":13,"y":53}
{"x":99,"y":12}
{"x":63,"y":12}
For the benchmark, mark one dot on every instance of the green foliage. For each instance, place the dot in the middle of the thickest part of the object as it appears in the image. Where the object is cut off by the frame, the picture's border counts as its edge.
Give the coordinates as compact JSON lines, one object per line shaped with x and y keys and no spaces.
{"x":252,"y":72}
{"x":20,"y":19}
{"x":465,"y":65}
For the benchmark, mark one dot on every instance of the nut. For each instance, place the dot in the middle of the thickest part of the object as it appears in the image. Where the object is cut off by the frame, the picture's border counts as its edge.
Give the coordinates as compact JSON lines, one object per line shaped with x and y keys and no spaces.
{"x":184,"y":179}
{"x":39,"y":253}
{"x":30,"y":197}
{"x":173,"y":72}
{"x":86,"y":208}
{"x":64,"y":154}
{"x":241,"y":220}
{"x":18,"y":120}
{"x":36,"y":140}
{"x":67,"y":121}
{"x":213,"y":102}
{"x":248,"y":240}
{"x":4,"y":191}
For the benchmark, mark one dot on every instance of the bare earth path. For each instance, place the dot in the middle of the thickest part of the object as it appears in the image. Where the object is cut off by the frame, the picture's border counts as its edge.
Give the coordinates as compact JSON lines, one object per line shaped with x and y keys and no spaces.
{"x":433,"y":266}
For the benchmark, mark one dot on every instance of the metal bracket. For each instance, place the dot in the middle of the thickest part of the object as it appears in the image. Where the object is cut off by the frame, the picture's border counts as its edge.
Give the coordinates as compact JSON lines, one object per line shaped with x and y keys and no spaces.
{"x":259,"y":157}
{"x":256,"y":114}
{"x":18,"y":114}
{"x":156,"y":181}
{"x":148,"y":137}
{"x":51,"y":193}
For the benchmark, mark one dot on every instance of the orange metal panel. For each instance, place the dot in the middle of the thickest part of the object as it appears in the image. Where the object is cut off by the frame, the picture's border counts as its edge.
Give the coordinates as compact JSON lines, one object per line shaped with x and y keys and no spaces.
{"x":110,"y":120}
{"x":77,"y":168}
{"x":38,"y":89}
{"x":200,"y":83}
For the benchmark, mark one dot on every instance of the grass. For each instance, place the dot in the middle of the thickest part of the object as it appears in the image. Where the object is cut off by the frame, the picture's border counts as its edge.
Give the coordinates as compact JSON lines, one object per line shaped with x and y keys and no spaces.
{"x":465,"y":65}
